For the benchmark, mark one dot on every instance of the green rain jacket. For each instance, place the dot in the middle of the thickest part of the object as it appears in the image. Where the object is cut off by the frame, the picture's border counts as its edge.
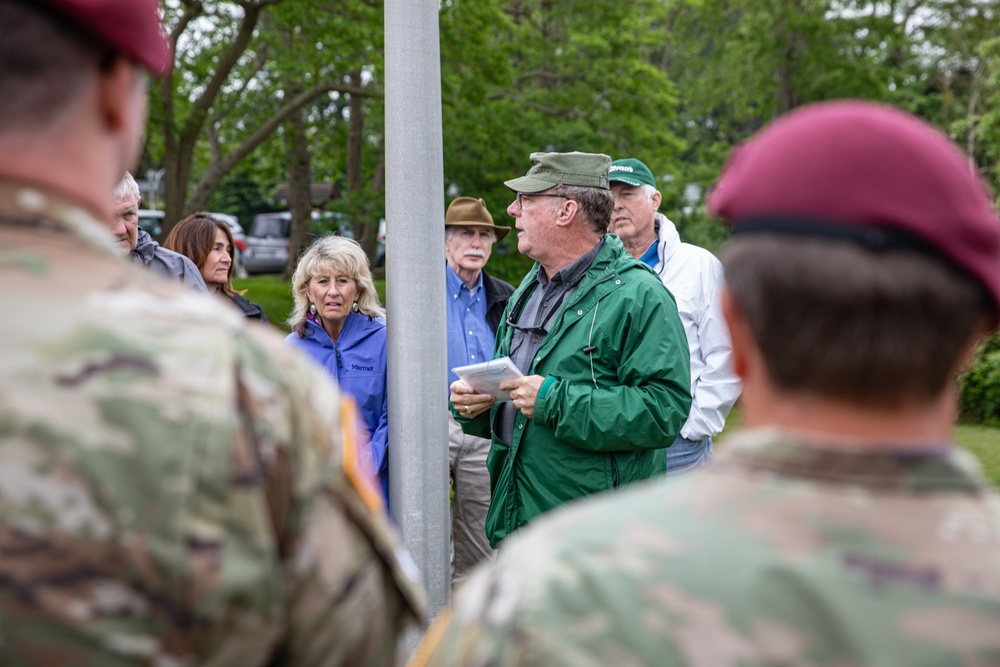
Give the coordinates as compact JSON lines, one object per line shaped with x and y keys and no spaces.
{"x":602,"y":419}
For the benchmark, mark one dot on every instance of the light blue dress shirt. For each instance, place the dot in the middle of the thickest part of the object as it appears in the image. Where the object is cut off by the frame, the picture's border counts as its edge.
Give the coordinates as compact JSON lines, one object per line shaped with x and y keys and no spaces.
{"x":470,"y":339}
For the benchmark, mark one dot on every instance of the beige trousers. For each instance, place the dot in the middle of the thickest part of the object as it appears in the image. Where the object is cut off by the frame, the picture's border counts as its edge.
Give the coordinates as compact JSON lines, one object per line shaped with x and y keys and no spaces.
{"x":470,"y":482}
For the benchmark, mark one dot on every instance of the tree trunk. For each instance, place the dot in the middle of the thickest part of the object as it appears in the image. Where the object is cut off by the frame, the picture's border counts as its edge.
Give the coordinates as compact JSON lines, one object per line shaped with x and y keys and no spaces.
{"x":365,"y":229}
{"x":300,"y":186}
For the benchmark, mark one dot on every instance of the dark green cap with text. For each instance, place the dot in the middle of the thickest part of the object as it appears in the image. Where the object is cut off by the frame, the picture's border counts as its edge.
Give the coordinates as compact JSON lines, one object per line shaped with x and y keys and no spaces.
{"x":631,"y":172}
{"x":589,"y":170}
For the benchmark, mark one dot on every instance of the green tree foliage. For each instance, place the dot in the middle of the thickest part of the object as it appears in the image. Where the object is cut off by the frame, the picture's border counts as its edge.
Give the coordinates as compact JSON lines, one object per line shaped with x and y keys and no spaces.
{"x":242,"y":68}
{"x":980,"y":385}
{"x":520,"y":76}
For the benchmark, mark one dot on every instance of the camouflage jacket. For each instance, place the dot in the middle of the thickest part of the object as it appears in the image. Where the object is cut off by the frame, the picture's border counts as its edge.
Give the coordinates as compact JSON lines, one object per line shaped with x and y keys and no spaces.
{"x":781,"y":553}
{"x":177,"y":487}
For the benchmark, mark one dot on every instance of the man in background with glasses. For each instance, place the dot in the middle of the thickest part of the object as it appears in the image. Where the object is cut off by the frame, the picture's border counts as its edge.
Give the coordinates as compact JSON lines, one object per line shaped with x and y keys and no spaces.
{"x":599,"y":341}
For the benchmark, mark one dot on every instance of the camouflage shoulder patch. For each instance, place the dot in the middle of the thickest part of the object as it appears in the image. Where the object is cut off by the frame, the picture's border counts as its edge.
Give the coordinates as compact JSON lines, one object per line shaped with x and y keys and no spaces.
{"x":430,"y":640}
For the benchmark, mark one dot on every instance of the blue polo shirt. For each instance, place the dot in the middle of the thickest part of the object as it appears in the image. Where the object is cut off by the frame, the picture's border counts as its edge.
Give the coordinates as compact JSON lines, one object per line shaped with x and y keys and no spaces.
{"x":470,"y":339}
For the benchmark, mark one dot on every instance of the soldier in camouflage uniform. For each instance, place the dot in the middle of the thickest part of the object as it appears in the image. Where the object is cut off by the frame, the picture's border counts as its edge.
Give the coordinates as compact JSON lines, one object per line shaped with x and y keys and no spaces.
{"x":841,"y":527}
{"x":177,"y":487}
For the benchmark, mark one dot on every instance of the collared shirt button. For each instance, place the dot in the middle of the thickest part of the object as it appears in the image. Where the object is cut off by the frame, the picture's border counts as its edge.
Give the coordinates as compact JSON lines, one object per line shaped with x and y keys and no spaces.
{"x":618,"y":282}
{"x":579,"y":312}
{"x":470,"y":333}
{"x":521,"y":425}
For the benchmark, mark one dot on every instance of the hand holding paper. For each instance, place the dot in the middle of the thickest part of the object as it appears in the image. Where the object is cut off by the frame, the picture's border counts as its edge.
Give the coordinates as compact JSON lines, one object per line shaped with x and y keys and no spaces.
{"x":485,"y":378}
{"x":469,"y":403}
{"x":524,"y":392}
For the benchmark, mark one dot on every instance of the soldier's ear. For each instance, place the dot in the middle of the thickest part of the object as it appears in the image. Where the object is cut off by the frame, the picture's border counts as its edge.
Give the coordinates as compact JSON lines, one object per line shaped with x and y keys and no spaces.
{"x":114,"y":87}
{"x":739,"y":333}
{"x":121,"y":93}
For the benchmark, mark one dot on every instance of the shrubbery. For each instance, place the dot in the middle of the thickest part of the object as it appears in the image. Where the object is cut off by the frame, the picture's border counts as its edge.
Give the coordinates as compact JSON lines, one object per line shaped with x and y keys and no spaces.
{"x":980,"y":385}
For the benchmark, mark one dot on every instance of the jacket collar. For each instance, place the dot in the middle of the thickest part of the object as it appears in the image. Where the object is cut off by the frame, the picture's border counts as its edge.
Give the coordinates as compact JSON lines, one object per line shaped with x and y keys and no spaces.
{"x":669,"y":239}
{"x":937,"y":467}
{"x":145,"y":246}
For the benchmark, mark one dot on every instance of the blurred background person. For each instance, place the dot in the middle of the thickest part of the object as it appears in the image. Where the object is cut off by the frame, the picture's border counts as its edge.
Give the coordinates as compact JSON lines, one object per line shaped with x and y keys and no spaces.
{"x":140,"y":247}
{"x":339,"y":322}
{"x":208,"y":243}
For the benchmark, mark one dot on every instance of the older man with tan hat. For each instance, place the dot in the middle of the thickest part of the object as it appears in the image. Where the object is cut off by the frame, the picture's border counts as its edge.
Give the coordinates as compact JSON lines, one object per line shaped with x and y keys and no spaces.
{"x":476,"y":301}
{"x":599,"y":341}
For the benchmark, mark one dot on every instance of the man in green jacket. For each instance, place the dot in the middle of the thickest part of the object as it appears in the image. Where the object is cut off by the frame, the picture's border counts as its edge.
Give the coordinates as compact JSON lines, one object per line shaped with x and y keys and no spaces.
{"x":600,"y":343}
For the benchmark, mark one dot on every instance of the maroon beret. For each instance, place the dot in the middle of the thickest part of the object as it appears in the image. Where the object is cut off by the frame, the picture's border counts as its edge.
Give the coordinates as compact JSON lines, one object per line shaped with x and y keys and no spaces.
{"x":130,"y":26}
{"x":867,"y":172}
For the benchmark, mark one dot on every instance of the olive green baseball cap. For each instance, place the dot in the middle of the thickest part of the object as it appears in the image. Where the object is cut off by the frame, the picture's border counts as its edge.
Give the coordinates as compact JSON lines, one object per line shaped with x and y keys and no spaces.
{"x":589,"y":170}
{"x":631,"y":172}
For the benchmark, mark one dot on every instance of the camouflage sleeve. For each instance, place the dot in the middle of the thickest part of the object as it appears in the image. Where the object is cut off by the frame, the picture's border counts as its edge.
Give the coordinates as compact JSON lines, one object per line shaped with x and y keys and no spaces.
{"x":349,"y":591}
{"x":481,"y":628}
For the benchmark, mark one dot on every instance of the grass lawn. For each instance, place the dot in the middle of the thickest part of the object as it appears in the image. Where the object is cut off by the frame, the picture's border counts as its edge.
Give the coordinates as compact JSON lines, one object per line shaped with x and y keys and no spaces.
{"x":984,"y":442}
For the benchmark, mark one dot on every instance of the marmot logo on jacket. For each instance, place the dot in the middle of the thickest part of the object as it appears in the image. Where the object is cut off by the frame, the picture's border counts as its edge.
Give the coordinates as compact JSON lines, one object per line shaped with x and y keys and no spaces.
{"x":355,"y":367}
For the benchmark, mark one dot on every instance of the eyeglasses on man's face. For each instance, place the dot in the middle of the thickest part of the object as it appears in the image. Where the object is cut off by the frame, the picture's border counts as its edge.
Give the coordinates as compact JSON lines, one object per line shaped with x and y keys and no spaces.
{"x":521,"y":195}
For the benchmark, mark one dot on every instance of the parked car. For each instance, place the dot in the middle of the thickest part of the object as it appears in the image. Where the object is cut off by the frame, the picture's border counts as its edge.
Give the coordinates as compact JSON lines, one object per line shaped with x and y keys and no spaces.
{"x":151,"y":222}
{"x":267,"y":241}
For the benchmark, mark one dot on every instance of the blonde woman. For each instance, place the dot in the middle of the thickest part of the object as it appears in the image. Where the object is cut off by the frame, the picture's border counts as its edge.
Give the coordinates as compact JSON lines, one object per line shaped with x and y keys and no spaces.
{"x":338,"y":321}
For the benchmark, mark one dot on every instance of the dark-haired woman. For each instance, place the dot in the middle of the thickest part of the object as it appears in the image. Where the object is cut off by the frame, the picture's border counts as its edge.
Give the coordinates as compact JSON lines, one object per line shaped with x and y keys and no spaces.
{"x":208,"y":242}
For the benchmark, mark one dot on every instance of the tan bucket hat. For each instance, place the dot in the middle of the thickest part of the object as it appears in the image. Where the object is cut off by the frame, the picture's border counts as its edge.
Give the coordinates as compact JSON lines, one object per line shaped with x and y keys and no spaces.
{"x":471,"y":212}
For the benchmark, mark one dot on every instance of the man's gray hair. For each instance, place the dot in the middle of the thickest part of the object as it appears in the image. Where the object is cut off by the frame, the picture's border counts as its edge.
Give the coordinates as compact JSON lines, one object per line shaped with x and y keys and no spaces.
{"x":127,"y":189}
{"x":596,"y":204}
{"x":649,"y":190}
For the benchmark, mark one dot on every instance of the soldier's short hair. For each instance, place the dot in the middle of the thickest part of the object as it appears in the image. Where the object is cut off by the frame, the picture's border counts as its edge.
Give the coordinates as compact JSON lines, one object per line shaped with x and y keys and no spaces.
{"x":883,"y":328}
{"x":44,"y":65}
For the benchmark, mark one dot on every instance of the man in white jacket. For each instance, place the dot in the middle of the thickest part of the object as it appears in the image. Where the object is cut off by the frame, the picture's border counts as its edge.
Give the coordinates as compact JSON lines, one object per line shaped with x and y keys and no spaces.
{"x":694,"y":276}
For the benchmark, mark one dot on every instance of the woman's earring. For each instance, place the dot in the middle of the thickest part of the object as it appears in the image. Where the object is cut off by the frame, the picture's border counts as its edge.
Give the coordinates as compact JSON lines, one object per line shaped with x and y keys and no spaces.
{"x":312,"y":308}
{"x":355,"y":307}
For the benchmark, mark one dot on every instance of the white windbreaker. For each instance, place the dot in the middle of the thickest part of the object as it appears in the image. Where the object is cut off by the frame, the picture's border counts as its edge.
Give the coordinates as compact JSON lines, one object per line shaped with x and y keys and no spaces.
{"x":694,"y":276}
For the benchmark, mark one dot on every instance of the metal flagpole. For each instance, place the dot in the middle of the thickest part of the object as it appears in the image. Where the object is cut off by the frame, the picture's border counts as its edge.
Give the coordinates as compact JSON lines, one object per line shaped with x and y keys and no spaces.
{"x":415,"y":292}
